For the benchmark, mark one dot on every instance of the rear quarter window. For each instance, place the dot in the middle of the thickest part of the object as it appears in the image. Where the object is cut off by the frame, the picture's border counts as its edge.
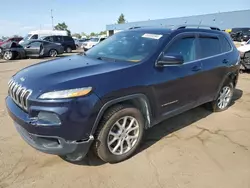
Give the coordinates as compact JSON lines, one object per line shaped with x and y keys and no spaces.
{"x":209,"y":46}
{"x":67,"y":38}
{"x":225,"y":45}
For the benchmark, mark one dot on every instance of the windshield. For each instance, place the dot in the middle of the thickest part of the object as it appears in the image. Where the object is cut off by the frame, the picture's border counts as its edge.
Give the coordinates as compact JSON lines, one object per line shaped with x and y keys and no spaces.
{"x":94,"y":40}
{"x":127,"y":46}
{"x":27,"y":37}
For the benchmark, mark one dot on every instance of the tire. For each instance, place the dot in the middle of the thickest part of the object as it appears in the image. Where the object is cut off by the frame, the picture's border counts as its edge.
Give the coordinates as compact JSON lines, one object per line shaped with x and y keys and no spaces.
{"x":8,"y":55}
{"x":109,"y":123}
{"x":68,"y":49}
{"x":223,"y":99}
{"x":53,"y":53}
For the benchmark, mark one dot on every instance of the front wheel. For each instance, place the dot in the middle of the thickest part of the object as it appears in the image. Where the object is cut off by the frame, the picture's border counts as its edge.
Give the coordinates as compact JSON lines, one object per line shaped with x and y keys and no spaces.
{"x":120,"y":133}
{"x":8,"y":55}
{"x":223,"y":99}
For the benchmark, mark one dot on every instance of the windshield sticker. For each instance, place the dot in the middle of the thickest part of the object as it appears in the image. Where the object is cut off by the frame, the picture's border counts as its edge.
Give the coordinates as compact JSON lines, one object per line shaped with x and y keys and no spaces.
{"x":152,"y":36}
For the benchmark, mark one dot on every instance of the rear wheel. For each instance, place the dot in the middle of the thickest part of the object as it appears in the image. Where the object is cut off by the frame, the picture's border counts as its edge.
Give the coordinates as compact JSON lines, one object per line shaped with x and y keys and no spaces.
{"x":8,"y":55}
{"x":68,"y":50}
{"x":223,"y":99}
{"x":53,"y":53}
{"x":120,"y":133}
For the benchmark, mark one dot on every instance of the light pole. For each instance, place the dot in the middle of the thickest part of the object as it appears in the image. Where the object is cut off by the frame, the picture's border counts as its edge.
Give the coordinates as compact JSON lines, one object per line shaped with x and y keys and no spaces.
{"x":52,"y":19}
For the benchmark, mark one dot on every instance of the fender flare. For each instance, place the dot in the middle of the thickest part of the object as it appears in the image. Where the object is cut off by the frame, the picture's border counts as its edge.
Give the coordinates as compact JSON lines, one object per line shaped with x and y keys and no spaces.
{"x":118,"y":100}
{"x":227,"y":76}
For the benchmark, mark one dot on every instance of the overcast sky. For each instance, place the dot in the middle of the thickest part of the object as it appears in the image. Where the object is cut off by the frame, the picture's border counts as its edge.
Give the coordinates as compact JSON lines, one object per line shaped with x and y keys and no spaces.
{"x":20,"y":17}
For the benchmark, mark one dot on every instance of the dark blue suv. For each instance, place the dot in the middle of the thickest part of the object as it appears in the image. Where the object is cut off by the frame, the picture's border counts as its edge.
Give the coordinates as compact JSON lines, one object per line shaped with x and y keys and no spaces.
{"x":105,"y":98}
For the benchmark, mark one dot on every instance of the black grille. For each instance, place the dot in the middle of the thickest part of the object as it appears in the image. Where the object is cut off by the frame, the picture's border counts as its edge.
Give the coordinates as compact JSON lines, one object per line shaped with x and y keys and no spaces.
{"x":19,"y":94}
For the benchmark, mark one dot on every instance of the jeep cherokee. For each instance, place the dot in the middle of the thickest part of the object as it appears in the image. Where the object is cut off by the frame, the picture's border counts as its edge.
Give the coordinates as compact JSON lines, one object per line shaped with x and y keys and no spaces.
{"x":104,"y":99}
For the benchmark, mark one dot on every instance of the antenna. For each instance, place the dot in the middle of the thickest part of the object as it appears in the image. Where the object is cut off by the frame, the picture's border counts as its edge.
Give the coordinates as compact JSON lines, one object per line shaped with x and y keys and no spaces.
{"x":52,"y":19}
{"x":199,"y":24}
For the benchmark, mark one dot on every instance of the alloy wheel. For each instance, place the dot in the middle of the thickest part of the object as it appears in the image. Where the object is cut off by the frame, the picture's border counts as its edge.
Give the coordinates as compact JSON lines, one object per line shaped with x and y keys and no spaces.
{"x":53,"y":53}
{"x":224,"y":97}
{"x":7,"y":55}
{"x":123,"y":135}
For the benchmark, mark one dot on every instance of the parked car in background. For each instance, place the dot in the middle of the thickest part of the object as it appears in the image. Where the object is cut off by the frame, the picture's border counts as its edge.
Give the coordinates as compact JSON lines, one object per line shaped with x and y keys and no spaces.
{"x":66,"y":41}
{"x":77,"y":42}
{"x":240,"y":34}
{"x":244,"y":50}
{"x":91,"y":42}
{"x":72,"y":104}
{"x":81,"y":41}
{"x":33,"y":35}
{"x":12,"y":50}
{"x":245,"y":46}
{"x":12,"y":39}
{"x":41,"y":48}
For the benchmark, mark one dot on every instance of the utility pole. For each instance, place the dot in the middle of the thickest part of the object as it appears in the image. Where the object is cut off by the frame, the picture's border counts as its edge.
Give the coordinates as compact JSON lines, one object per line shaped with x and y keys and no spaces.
{"x":52,"y":19}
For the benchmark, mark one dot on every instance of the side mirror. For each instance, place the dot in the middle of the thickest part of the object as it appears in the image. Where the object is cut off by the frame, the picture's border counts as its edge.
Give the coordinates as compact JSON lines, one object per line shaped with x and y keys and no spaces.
{"x":170,"y":59}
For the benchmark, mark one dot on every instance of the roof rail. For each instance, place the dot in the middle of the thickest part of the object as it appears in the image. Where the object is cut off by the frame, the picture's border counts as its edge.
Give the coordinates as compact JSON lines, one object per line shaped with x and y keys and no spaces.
{"x":197,"y":26}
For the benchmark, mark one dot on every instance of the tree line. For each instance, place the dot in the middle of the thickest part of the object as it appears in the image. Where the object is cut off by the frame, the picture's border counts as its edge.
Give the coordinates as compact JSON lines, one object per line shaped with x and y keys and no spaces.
{"x":64,"y":27}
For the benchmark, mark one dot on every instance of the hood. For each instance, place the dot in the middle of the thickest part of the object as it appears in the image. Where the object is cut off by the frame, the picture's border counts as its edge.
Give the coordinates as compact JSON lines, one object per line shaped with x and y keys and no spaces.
{"x":66,"y":73}
{"x":244,"y":48}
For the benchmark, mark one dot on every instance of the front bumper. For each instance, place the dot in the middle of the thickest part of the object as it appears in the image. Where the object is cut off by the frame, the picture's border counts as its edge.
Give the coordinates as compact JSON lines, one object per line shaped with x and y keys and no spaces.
{"x":54,"y":145}
{"x":72,"y":136}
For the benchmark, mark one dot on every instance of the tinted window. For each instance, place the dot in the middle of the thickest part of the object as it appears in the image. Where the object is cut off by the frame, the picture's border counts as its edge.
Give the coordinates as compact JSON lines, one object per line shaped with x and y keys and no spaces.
{"x":66,"y":38}
{"x":35,"y":44}
{"x":102,"y":39}
{"x":58,"y":38}
{"x":185,"y":47}
{"x":48,"y":39}
{"x":225,"y":45}
{"x":34,"y":37}
{"x":209,"y":46}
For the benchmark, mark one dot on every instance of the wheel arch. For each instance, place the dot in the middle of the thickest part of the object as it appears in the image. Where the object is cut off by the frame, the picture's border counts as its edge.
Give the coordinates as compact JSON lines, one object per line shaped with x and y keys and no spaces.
{"x":140,"y":101}
{"x":231,"y":76}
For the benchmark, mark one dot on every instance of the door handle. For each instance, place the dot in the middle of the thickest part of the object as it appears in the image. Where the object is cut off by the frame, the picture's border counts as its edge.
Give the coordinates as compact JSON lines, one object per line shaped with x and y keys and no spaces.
{"x":225,"y":61}
{"x":196,"y":68}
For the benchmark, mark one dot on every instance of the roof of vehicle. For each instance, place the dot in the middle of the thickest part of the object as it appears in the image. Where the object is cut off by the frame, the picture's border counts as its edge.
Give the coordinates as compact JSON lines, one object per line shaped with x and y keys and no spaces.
{"x":181,"y":28}
{"x":37,"y":40}
{"x":153,"y":30}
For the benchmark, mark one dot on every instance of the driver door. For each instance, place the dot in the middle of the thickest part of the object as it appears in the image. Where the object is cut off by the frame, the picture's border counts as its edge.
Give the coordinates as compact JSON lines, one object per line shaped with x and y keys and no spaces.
{"x":33,"y":49}
{"x":180,"y":84}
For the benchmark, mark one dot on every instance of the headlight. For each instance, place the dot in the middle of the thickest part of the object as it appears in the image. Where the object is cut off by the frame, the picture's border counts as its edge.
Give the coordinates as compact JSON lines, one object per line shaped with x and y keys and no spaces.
{"x":64,"y":94}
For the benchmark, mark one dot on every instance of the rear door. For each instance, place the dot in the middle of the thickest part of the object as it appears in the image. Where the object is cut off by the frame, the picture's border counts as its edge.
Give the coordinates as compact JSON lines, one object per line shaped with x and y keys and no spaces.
{"x":215,"y":62}
{"x":33,"y":48}
{"x":60,"y":40}
{"x":180,"y":84}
